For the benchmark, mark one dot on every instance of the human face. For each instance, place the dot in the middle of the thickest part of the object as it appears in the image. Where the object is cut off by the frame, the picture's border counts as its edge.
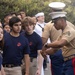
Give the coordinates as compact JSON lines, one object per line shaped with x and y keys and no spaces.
{"x":7,"y":28}
{"x":0,"y":24}
{"x":19,"y":16}
{"x":29,"y":28}
{"x":17,"y":27}
{"x":41,"y":18}
{"x":7,"y":19}
{"x":23,"y":15}
{"x":57,"y":23}
{"x":1,"y":34}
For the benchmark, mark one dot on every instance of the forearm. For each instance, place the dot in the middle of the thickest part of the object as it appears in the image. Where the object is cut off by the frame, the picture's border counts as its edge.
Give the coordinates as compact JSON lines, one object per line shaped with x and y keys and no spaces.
{"x":51,"y":51}
{"x":27,"y":64}
{"x":2,"y":71}
{"x":39,"y":62}
{"x":55,"y":44}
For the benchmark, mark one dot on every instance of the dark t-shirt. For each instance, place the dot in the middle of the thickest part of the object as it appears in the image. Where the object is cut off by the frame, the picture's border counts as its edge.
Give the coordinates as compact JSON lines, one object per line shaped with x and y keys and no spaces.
{"x":35,"y":43}
{"x":14,"y":49}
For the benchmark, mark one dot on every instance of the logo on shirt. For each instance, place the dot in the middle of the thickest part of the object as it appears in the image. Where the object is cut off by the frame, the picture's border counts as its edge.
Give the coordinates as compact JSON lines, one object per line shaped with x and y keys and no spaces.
{"x":30,"y":43}
{"x":68,"y":33}
{"x":18,"y":44}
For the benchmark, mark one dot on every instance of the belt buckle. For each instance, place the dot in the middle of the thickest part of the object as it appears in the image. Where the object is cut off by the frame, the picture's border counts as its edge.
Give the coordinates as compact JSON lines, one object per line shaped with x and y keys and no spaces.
{"x":9,"y":65}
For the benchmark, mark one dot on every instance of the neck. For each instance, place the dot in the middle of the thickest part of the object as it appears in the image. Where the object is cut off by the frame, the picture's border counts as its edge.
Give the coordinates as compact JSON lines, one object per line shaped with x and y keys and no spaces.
{"x":29,"y":33}
{"x":40,"y":22}
{"x":14,"y":34}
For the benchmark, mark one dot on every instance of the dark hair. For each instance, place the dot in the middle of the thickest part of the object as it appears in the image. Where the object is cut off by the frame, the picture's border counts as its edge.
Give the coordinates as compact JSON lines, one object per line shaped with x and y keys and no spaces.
{"x":13,"y":13}
{"x":22,"y":10}
{"x":8,"y":14}
{"x":13,"y":20}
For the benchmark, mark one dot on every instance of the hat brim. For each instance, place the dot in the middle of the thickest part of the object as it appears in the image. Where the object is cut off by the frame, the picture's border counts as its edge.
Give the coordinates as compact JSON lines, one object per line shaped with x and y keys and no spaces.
{"x":58,"y":14}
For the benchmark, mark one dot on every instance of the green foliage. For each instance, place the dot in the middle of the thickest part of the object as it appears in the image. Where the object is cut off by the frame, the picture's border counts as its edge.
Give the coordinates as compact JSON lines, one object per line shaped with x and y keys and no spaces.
{"x":31,"y":7}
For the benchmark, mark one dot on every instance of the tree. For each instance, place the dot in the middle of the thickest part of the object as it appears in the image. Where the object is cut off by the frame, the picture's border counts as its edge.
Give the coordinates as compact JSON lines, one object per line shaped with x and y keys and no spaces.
{"x":31,"y":7}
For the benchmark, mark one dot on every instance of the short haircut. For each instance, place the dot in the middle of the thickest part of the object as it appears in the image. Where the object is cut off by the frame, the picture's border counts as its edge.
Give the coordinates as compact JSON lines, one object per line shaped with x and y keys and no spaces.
{"x":27,"y":21}
{"x":7,"y":14}
{"x":13,"y":20}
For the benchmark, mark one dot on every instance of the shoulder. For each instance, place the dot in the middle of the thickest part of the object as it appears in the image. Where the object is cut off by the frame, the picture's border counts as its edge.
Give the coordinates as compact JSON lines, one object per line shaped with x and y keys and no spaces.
{"x":70,"y":24}
{"x":36,"y":35}
{"x":23,"y":38}
{"x":69,"y":31}
{"x":49,"y":25}
{"x":6,"y":35}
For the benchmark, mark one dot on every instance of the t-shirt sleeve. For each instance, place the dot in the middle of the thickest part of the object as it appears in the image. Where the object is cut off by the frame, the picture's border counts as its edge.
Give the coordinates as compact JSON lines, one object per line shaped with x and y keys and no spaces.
{"x":39,"y":44}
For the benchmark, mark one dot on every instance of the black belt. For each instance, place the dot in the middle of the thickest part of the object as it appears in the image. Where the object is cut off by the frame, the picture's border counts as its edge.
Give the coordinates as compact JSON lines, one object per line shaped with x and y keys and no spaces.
{"x":31,"y":59}
{"x":10,"y":65}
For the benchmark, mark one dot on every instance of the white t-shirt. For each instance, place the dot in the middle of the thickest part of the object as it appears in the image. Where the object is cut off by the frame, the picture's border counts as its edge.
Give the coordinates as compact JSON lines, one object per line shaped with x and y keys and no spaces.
{"x":39,"y":27}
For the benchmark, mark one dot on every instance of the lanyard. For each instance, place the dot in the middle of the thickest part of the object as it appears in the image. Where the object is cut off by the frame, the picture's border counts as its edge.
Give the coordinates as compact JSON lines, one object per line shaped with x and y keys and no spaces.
{"x":41,"y":27}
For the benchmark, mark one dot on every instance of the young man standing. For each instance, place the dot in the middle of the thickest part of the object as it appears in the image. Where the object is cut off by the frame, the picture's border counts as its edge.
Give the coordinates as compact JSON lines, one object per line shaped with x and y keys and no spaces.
{"x":16,"y":48}
{"x":35,"y":43}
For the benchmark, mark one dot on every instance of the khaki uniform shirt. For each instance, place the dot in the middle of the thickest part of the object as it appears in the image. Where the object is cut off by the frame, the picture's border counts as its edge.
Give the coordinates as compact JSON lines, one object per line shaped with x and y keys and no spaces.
{"x":51,"y":32}
{"x":69,"y":35}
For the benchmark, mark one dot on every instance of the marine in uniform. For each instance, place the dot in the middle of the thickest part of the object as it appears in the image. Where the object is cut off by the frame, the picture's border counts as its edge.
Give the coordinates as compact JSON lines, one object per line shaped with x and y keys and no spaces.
{"x":66,"y":42}
{"x":53,"y":34}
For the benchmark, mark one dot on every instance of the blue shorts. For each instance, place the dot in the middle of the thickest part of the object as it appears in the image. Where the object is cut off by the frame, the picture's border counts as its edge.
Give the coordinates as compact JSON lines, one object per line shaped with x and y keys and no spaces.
{"x":57,"y":63}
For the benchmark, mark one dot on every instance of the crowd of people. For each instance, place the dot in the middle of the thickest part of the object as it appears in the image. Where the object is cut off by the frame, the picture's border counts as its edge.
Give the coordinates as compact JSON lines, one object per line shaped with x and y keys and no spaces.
{"x":28,"y":43}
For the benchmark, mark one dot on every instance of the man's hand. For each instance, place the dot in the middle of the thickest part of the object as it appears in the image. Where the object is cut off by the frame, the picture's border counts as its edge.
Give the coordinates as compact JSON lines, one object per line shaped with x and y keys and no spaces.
{"x":38,"y":72}
{"x":43,"y":53}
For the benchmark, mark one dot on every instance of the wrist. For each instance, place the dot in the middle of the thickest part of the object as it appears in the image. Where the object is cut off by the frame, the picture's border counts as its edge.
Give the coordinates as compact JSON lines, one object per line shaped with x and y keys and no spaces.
{"x":46,"y":45}
{"x":26,"y":74}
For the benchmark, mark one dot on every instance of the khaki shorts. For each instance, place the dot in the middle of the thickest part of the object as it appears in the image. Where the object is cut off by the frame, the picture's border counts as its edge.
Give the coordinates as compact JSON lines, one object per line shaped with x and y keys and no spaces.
{"x":13,"y":71}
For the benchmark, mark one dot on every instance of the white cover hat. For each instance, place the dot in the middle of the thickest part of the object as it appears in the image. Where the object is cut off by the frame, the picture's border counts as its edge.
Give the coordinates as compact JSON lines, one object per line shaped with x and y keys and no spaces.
{"x":57,"y":5}
{"x":58,"y":14}
{"x":39,"y":14}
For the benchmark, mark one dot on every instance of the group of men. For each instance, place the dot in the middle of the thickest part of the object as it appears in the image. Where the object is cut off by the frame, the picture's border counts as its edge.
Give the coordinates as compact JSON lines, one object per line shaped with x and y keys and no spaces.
{"x":27,"y":46}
